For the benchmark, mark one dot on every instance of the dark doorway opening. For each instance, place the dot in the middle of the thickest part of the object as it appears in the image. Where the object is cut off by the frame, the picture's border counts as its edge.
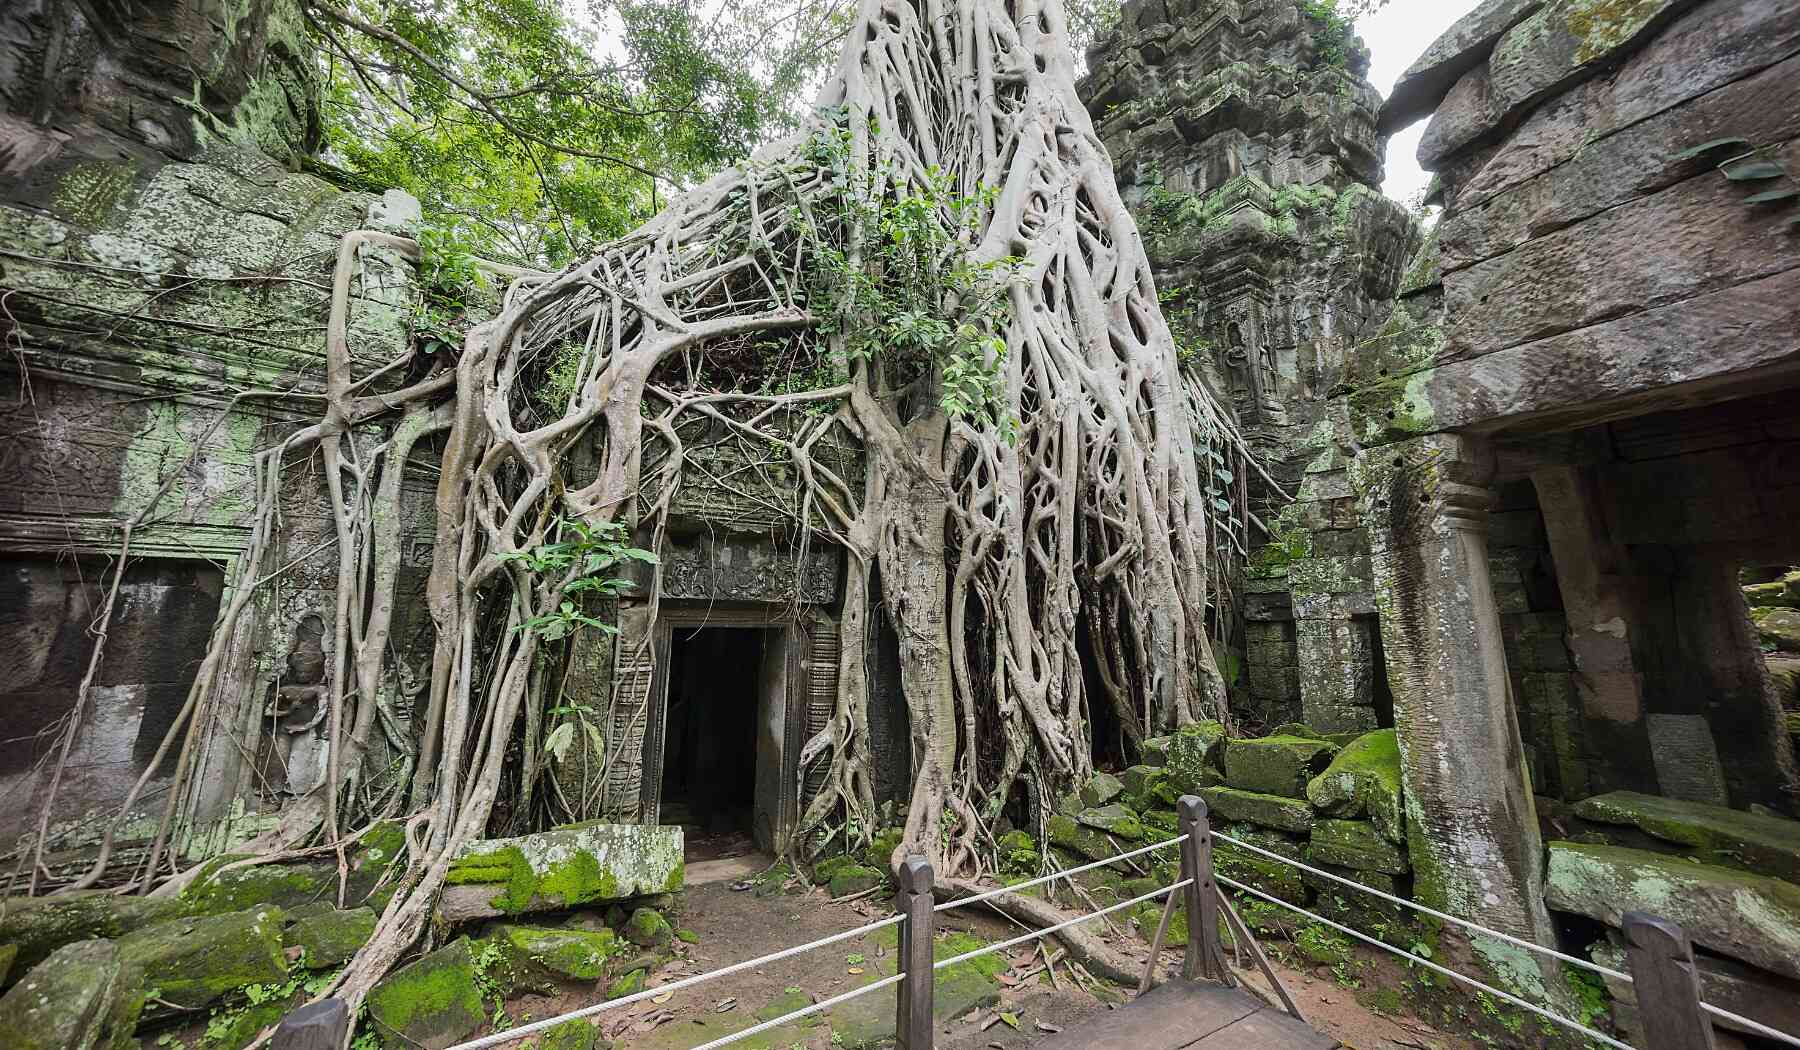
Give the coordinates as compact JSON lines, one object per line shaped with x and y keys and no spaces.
{"x":710,"y":744}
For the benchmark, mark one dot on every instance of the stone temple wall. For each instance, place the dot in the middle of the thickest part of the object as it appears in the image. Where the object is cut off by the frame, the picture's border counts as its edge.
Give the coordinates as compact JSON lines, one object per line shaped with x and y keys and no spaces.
{"x":1554,"y":457}
{"x":165,"y":280}
{"x":1243,"y":136}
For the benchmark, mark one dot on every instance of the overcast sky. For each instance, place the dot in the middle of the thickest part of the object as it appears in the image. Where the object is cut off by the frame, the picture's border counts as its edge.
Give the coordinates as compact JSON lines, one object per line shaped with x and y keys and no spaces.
{"x":1397,"y":34}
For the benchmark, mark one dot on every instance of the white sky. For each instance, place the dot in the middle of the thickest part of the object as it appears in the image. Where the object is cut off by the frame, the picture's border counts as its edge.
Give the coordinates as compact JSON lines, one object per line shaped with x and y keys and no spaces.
{"x":1397,"y":34}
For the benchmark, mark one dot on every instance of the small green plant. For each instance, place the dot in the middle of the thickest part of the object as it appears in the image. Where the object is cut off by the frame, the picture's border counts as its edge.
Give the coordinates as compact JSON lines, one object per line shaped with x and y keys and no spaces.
{"x":587,"y":557}
{"x":452,"y":279}
{"x":1759,"y":168}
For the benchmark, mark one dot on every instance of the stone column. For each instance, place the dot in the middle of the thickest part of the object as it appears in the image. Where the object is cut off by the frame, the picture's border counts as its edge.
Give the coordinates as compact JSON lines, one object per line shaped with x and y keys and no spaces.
{"x":1471,"y":830}
{"x":1600,"y":598}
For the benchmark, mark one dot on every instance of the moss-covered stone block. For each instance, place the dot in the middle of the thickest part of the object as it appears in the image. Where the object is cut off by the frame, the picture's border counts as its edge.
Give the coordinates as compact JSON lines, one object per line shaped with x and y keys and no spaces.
{"x":1365,"y":912}
{"x":1252,"y":807}
{"x":648,"y":929}
{"x":1778,"y":628}
{"x":542,"y":957}
{"x":1100,"y":789}
{"x":1113,"y":819}
{"x":1146,"y":787}
{"x":1363,"y":780}
{"x":629,"y":983}
{"x":1191,"y":756}
{"x":1090,"y":843}
{"x":879,"y":853}
{"x":1355,"y":844}
{"x":826,"y":867}
{"x":1760,"y":843}
{"x":329,"y":936}
{"x":84,"y":996}
{"x":1254,"y":869}
{"x":195,"y":962}
{"x":856,"y":879}
{"x":432,"y":1002}
{"x":576,"y":1034}
{"x":37,"y":926}
{"x":1731,"y":912}
{"x":1161,"y":823}
{"x":221,"y":888}
{"x":1148,"y":916}
{"x":563,"y":868}
{"x":1276,"y":765}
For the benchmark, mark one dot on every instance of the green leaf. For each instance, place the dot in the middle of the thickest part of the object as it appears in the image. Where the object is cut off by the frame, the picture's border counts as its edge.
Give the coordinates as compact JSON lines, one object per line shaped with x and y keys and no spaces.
{"x":1707,"y":147}
{"x":1771,"y":196}
{"x":1754,"y":171}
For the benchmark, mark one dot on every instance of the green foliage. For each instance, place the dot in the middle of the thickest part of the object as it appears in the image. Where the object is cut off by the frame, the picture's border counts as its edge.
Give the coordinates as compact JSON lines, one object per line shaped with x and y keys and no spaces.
{"x":587,"y":558}
{"x":534,"y":129}
{"x":1334,"y":31}
{"x":1592,"y":1001}
{"x":896,"y":277}
{"x":1759,"y":168}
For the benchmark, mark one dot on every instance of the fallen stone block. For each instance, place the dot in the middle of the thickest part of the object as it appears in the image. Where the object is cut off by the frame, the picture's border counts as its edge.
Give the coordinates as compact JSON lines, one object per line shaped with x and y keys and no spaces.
{"x":1100,"y":789}
{"x":197,"y":961}
{"x":1733,"y":913}
{"x":1354,"y":844}
{"x":1758,"y":843}
{"x":1364,"y":780}
{"x":1147,"y":787}
{"x":1115,"y":820}
{"x":83,"y":997}
{"x":560,"y":869}
{"x":432,"y":1002}
{"x":37,"y":926}
{"x":542,"y":958}
{"x":1276,"y":765}
{"x":1778,"y":627}
{"x":1269,"y":811}
{"x":1190,"y":755}
{"x":1089,"y":842}
{"x":329,"y":936}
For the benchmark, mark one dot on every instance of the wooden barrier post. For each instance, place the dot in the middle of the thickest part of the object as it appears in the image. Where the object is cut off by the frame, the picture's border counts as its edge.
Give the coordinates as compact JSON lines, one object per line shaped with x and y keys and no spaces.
{"x":1667,"y":984}
{"x":913,"y":1024}
{"x":324,"y":1025}
{"x":1205,"y":955}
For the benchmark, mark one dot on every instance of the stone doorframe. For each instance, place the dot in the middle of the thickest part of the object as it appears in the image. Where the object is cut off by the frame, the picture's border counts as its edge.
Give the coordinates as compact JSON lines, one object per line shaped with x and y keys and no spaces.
{"x":806,"y":675}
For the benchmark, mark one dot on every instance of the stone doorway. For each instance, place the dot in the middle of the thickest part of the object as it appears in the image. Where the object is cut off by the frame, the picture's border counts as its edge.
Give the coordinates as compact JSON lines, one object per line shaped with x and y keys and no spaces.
{"x":711,"y":750}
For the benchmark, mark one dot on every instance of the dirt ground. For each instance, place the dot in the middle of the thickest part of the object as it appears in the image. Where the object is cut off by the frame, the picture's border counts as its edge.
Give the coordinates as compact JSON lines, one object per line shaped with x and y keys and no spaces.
{"x":734,"y":924}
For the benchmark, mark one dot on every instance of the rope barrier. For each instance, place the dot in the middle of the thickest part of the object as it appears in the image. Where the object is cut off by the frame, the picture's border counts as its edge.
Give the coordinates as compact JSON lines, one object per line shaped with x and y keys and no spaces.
{"x":1433,"y":912}
{"x":1755,"y":1026}
{"x":1053,"y":876}
{"x":823,"y":1004}
{"x":1048,"y":930}
{"x":511,"y":1034}
{"x":1427,"y":963}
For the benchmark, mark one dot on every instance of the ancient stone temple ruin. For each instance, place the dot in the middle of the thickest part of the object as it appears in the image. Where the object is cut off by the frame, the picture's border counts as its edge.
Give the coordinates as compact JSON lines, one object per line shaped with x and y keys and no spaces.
{"x":1509,"y":619}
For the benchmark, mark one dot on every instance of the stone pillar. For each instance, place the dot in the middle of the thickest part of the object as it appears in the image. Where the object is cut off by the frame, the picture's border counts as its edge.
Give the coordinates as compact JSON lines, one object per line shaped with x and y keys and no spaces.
{"x":1472,"y":830}
{"x":1599,"y":599}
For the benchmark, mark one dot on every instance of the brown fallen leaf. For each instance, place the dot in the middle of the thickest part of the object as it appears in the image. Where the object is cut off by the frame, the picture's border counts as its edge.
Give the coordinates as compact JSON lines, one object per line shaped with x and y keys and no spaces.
{"x":1046,"y":1026}
{"x":725,"y":1004}
{"x":854,"y":969}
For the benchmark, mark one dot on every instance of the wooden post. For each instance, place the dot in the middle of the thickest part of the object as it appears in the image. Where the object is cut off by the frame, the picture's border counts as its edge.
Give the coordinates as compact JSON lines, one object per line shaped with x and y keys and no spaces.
{"x":1205,"y":955}
{"x":1667,"y":984}
{"x":324,"y":1025}
{"x":912,"y":1023}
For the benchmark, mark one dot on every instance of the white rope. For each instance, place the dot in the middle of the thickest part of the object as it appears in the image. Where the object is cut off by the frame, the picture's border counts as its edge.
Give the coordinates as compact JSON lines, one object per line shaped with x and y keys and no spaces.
{"x":1035,"y":934}
{"x":1416,"y":906}
{"x":511,"y":1034}
{"x":1755,"y":1026}
{"x":823,"y":1004}
{"x":1053,"y":876}
{"x":1446,"y":971}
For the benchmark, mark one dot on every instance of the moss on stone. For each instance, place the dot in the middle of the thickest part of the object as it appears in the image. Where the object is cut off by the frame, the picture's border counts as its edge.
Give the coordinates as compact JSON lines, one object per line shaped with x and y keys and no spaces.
{"x":855,"y":878}
{"x":880,"y":851}
{"x":542,"y":957}
{"x":1755,"y":842}
{"x":36,"y":927}
{"x":1275,"y":765}
{"x":195,"y":962}
{"x":84,"y":995}
{"x":629,"y":983}
{"x":431,"y":1001}
{"x":1113,"y":819}
{"x":1100,"y":789}
{"x":1191,"y":756}
{"x":648,"y":929}
{"x":575,"y":1034}
{"x":571,"y":866}
{"x":1354,"y":844}
{"x":1264,"y":810}
{"x":329,"y":936}
{"x":1364,"y":780}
